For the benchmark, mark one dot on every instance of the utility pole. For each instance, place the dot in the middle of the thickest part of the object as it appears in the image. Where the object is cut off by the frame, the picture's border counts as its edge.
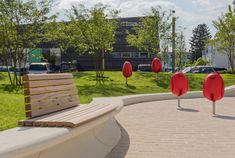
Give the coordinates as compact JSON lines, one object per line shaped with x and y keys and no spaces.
{"x":173,"y":41}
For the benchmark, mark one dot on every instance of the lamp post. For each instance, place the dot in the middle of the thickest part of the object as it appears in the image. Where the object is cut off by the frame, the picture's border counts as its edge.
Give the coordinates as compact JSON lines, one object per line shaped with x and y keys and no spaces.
{"x":173,"y":40}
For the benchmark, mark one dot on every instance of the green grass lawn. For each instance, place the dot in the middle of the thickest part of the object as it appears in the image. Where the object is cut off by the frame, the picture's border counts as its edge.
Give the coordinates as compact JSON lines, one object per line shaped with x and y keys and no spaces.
{"x":12,"y":100}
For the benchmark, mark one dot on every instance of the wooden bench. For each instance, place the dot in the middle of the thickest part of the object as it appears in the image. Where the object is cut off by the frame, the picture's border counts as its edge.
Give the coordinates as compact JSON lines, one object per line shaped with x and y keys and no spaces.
{"x":51,"y":100}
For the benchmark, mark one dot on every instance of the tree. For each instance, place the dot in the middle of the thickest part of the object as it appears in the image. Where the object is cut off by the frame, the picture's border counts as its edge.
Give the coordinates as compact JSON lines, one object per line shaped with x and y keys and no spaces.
{"x":151,"y":30}
{"x":180,"y":49}
{"x":65,"y":36}
{"x":199,"y":40}
{"x":23,"y":24}
{"x":164,"y":51}
{"x":225,"y":36}
{"x":200,"y":62}
{"x":94,"y":32}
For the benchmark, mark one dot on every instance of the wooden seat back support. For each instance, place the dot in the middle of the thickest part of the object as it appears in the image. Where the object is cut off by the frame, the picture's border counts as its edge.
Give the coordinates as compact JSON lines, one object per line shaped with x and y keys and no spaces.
{"x":48,"y":93}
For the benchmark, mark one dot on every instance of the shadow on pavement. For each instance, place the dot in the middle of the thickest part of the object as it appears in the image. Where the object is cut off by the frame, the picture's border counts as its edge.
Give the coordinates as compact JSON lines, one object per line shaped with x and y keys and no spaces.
{"x":121,"y":149}
{"x":188,"y":110}
{"x":225,"y":117}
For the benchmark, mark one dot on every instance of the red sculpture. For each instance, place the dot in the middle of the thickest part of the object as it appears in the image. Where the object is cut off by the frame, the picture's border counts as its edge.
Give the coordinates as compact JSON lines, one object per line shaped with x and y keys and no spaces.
{"x":179,"y":85}
{"x":213,"y":88}
{"x":127,"y":70}
{"x":156,"y":65}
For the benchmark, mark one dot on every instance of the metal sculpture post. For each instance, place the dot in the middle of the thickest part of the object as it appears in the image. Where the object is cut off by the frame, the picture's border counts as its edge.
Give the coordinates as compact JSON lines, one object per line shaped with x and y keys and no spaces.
{"x":179,"y":85}
{"x":213,"y":104}
{"x":179,"y":102}
{"x":213,"y":89}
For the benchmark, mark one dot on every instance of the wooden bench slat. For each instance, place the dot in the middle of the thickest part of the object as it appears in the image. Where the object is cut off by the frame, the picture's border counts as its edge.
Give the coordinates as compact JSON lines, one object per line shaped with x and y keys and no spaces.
{"x":53,"y":116}
{"x":35,"y":98}
{"x":42,"y":90}
{"x":93,"y":114}
{"x":50,"y":109}
{"x":66,"y":114}
{"x":52,"y":102}
{"x":44,"y":83}
{"x":78,"y":118}
{"x":59,"y":114}
{"x":35,"y":77}
{"x":77,"y":113}
{"x":81,"y":119}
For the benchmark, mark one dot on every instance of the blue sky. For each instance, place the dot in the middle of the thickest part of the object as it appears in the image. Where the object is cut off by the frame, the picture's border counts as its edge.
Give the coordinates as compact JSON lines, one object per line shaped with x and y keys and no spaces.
{"x":190,"y":12}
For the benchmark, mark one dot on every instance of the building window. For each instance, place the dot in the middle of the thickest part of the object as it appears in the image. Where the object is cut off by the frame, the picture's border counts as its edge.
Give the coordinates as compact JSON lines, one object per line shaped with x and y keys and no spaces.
{"x":134,"y":54}
{"x":143,"y":55}
{"x":116,"y":55}
{"x":126,"y":55}
{"x":126,"y":23}
{"x":188,"y":56}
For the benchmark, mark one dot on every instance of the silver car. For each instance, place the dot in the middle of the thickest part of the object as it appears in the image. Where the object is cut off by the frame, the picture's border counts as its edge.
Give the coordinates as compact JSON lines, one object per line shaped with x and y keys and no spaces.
{"x":39,"y":68}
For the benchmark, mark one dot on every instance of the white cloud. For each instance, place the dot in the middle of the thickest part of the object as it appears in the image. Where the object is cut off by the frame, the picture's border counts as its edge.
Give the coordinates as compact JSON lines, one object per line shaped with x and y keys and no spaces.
{"x":213,"y":5}
{"x":128,"y":8}
{"x":140,"y":8}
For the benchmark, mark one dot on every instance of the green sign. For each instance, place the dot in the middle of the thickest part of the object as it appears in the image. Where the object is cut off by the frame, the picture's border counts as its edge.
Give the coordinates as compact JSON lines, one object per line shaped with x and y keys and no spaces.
{"x":35,"y":55}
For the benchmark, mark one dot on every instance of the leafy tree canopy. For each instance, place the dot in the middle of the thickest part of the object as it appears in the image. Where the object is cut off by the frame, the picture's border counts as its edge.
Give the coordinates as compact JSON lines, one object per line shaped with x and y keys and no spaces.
{"x":152,"y":29}
{"x":225,"y":36}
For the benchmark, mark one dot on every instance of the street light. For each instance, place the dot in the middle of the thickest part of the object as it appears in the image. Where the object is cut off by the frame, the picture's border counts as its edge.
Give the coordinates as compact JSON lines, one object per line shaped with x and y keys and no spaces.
{"x":173,"y":40}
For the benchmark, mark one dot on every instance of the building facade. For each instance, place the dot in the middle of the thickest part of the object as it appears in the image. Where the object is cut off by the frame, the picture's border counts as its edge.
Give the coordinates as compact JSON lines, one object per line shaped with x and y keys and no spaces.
{"x":215,"y":57}
{"x":121,"y":51}
{"x":114,"y":60}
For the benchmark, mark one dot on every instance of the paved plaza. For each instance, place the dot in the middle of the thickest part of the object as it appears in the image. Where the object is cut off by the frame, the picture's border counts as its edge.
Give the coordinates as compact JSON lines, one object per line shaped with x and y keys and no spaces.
{"x":160,"y":130}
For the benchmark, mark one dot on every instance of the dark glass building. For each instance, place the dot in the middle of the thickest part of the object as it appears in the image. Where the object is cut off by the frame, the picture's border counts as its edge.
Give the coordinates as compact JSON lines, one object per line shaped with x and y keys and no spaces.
{"x":121,"y":51}
{"x":113,"y":61}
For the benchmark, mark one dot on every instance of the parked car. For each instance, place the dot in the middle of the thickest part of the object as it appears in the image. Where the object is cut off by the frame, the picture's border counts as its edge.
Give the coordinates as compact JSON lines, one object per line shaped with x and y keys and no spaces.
{"x":188,"y":69}
{"x":54,"y":68}
{"x":144,"y":68}
{"x":68,"y":67}
{"x":177,"y":69}
{"x":219,"y":69}
{"x":4,"y":68}
{"x":198,"y":69}
{"x":202,"y":69}
{"x":39,"y":68}
{"x":168,"y":69}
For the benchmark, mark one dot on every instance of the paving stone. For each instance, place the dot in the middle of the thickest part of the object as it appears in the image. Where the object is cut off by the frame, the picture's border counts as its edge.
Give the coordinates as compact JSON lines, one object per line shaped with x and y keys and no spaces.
{"x":160,"y":130}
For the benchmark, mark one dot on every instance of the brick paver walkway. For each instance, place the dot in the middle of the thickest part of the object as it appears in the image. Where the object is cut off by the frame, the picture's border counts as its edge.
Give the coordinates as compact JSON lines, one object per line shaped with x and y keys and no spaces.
{"x":159,"y":130}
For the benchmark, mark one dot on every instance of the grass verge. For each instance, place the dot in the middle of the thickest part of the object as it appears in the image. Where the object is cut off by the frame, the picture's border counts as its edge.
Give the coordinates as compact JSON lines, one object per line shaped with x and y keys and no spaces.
{"x":12,"y":99}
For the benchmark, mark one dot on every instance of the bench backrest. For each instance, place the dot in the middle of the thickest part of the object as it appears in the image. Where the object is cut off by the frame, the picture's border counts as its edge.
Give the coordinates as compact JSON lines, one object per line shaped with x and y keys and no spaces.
{"x":47,"y":93}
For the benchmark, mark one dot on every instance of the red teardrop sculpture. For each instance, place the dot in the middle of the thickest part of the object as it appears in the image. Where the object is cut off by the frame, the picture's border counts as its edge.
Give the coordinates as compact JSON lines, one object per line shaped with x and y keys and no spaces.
{"x":179,"y":83}
{"x":213,"y":87}
{"x":156,"y":65}
{"x":127,"y":69}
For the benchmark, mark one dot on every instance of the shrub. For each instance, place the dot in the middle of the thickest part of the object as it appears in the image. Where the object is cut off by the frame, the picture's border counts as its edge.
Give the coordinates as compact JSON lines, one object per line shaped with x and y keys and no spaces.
{"x":200,"y":62}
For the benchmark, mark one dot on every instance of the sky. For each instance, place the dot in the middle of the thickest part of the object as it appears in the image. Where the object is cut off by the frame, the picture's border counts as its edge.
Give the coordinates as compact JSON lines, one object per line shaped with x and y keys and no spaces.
{"x":190,"y":13}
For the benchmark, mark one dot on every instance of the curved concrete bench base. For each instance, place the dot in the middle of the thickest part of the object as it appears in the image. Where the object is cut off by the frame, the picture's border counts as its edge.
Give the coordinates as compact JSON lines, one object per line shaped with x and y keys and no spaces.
{"x":94,"y":139}
{"x":93,"y":143}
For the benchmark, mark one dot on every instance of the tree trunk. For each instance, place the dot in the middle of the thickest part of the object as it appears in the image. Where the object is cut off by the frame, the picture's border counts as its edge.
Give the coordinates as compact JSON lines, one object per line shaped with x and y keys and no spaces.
{"x":103,"y":62}
{"x":6,"y":62}
{"x":231,"y":61}
{"x":9,"y":75}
